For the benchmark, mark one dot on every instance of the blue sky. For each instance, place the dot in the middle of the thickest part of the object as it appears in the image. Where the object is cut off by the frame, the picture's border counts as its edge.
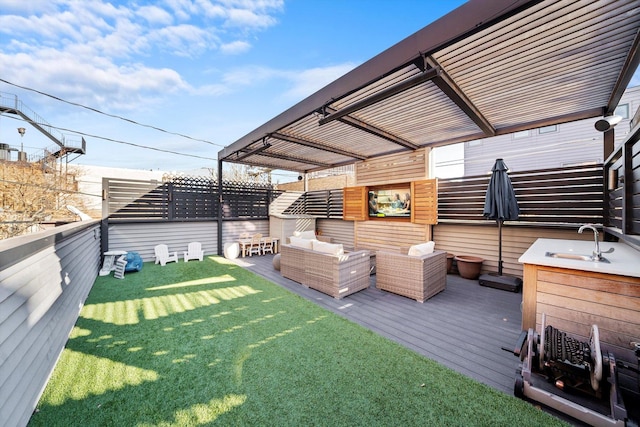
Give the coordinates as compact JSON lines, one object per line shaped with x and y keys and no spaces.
{"x":210,"y":70}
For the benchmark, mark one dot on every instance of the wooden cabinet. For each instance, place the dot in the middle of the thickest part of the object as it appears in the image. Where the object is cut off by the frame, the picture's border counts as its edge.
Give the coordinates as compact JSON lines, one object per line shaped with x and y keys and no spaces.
{"x":573,"y":300}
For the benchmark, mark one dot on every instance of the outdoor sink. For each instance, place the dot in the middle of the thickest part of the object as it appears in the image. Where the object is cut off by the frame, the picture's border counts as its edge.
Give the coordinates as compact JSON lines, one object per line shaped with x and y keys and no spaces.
{"x":574,"y":256}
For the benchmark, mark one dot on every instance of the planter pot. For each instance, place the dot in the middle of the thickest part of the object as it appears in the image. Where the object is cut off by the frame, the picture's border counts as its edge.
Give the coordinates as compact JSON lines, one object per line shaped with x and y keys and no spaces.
{"x":469,"y":266}
{"x":450,"y":263}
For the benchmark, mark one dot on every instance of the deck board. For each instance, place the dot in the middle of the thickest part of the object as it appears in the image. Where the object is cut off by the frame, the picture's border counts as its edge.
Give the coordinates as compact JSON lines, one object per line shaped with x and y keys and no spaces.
{"x":464,"y":327}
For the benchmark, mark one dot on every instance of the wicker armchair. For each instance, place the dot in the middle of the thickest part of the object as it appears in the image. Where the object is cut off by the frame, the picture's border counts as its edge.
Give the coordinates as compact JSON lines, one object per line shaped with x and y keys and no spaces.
{"x":416,"y":277}
{"x":334,"y":275}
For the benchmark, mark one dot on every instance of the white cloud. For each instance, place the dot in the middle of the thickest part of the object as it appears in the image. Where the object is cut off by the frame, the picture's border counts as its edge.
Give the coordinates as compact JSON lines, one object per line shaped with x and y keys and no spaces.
{"x":98,"y":53}
{"x":183,"y":40}
{"x":244,"y":18}
{"x":155,"y":15}
{"x":235,"y":48}
{"x":99,"y":83}
{"x":306,"y":82}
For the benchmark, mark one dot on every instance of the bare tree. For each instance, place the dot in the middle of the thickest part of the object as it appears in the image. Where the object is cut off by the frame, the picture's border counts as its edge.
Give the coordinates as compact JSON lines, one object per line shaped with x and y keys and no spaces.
{"x":31,"y":194}
{"x":238,"y":173}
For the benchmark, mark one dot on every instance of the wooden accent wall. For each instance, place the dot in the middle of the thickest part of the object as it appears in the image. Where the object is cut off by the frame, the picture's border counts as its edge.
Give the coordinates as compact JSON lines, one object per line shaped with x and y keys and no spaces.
{"x":398,"y":168}
{"x":573,"y":300}
{"x":394,"y":168}
{"x":389,"y":235}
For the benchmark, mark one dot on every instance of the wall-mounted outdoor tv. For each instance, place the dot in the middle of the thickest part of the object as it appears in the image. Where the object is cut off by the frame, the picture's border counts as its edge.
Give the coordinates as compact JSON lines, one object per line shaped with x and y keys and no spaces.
{"x":390,"y":201}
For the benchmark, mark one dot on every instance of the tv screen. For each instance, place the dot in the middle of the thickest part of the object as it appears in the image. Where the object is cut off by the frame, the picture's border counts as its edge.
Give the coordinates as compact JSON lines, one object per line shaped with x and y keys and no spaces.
{"x":390,"y":202}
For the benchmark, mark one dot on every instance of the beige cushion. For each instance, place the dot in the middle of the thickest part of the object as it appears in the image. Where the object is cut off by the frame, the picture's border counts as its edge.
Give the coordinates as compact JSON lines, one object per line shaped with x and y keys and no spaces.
{"x":422,"y":249}
{"x":308,"y":234}
{"x":328,"y":248}
{"x":300,"y":242}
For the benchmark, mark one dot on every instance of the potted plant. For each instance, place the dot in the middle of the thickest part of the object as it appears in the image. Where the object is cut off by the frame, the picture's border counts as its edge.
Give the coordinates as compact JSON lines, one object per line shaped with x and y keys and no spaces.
{"x":469,"y":266}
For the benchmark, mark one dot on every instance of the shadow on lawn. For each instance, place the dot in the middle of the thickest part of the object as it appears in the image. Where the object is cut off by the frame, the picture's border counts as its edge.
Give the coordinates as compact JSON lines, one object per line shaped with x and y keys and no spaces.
{"x":166,"y":345}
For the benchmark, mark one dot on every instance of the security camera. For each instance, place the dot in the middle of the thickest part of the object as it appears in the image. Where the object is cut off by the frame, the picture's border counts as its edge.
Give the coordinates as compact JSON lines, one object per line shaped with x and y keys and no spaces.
{"x":299,"y":177}
{"x":607,"y":123}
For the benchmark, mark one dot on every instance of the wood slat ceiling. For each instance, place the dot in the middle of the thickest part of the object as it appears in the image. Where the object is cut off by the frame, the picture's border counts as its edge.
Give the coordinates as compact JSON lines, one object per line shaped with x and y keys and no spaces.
{"x":485,"y":69}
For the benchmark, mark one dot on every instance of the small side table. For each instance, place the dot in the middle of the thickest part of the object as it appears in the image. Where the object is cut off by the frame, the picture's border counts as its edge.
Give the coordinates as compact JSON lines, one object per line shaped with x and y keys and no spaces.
{"x":109,"y":263}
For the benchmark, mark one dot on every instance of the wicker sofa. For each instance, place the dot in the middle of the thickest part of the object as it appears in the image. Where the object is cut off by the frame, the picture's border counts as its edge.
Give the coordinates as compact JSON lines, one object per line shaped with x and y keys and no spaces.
{"x":416,"y":277}
{"x":334,"y":275}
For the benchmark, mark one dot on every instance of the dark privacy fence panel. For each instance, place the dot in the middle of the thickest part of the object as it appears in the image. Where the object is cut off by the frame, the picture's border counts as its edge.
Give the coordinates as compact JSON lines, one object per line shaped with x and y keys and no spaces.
{"x":184,"y":199}
{"x":561,"y":196}
{"x":572,"y":195}
{"x":622,"y":175}
{"x":319,"y":203}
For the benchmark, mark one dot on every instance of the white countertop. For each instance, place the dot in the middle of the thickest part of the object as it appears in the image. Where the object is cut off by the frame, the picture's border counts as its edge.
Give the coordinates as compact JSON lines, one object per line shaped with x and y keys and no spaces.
{"x":624,"y":260}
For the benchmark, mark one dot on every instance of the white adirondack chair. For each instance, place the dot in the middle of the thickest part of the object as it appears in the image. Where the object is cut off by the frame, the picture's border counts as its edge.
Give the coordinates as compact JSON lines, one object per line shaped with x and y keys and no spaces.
{"x":163,"y":256}
{"x":194,"y":251}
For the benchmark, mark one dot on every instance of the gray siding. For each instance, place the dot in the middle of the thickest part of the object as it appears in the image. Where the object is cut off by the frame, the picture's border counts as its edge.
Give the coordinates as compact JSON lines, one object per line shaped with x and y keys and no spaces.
{"x":573,"y":143}
{"x":44,"y":281}
{"x":340,"y":231}
{"x":142,"y":237}
{"x":482,"y":241}
{"x":232,"y":230}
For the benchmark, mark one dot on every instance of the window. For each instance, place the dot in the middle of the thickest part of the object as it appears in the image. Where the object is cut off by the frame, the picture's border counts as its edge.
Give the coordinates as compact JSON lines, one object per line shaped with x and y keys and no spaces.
{"x":622,"y":110}
{"x":548,"y":129}
{"x":521,"y":134}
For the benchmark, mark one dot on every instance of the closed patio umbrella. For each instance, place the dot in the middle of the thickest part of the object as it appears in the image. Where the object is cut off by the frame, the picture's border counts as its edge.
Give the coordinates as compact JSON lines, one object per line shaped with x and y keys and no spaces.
{"x":500,"y":204}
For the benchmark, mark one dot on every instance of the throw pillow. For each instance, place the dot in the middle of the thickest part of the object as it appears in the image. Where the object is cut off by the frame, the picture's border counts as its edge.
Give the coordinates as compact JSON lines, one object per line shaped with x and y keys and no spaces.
{"x":328,"y":248}
{"x":308,"y":234}
{"x":300,"y":242}
{"x":421,"y":249}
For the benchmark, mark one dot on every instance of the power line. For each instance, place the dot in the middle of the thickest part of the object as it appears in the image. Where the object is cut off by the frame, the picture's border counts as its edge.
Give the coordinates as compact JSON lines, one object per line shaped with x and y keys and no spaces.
{"x":95,"y":110}
{"x":117,"y":141}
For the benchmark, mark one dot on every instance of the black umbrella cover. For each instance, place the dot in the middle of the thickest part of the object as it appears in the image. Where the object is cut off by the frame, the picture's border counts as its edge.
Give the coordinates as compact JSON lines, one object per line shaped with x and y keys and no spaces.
{"x":500,"y":202}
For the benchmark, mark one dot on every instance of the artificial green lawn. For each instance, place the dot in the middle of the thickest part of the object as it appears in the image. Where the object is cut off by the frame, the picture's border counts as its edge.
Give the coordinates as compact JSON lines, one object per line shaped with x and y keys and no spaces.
{"x":204,"y":343}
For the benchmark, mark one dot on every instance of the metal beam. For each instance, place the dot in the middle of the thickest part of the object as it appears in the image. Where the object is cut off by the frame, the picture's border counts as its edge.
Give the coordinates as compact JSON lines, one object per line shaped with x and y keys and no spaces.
{"x":449,"y":87}
{"x":312,"y":144}
{"x":382,"y":95}
{"x":366,"y":127}
{"x":243,"y":155}
{"x":628,"y":69}
{"x":294,"y":159}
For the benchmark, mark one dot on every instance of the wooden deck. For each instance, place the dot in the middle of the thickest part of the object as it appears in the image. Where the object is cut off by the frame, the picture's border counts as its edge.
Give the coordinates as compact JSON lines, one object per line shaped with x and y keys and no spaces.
{"x":464,"y":327}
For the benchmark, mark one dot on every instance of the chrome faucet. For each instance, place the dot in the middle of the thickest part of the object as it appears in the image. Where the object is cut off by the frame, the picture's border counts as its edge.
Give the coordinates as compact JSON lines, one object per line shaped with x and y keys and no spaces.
{"x":597,"y":255}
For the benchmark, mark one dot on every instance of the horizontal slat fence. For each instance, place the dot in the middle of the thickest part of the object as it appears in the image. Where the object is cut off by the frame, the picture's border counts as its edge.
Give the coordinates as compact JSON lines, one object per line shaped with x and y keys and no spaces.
{"x":184,"y":199}
{"x":562,"y":196}
{"x":319,"y":203}
{"x":622,"y":196}
{"x":559,"y":196}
